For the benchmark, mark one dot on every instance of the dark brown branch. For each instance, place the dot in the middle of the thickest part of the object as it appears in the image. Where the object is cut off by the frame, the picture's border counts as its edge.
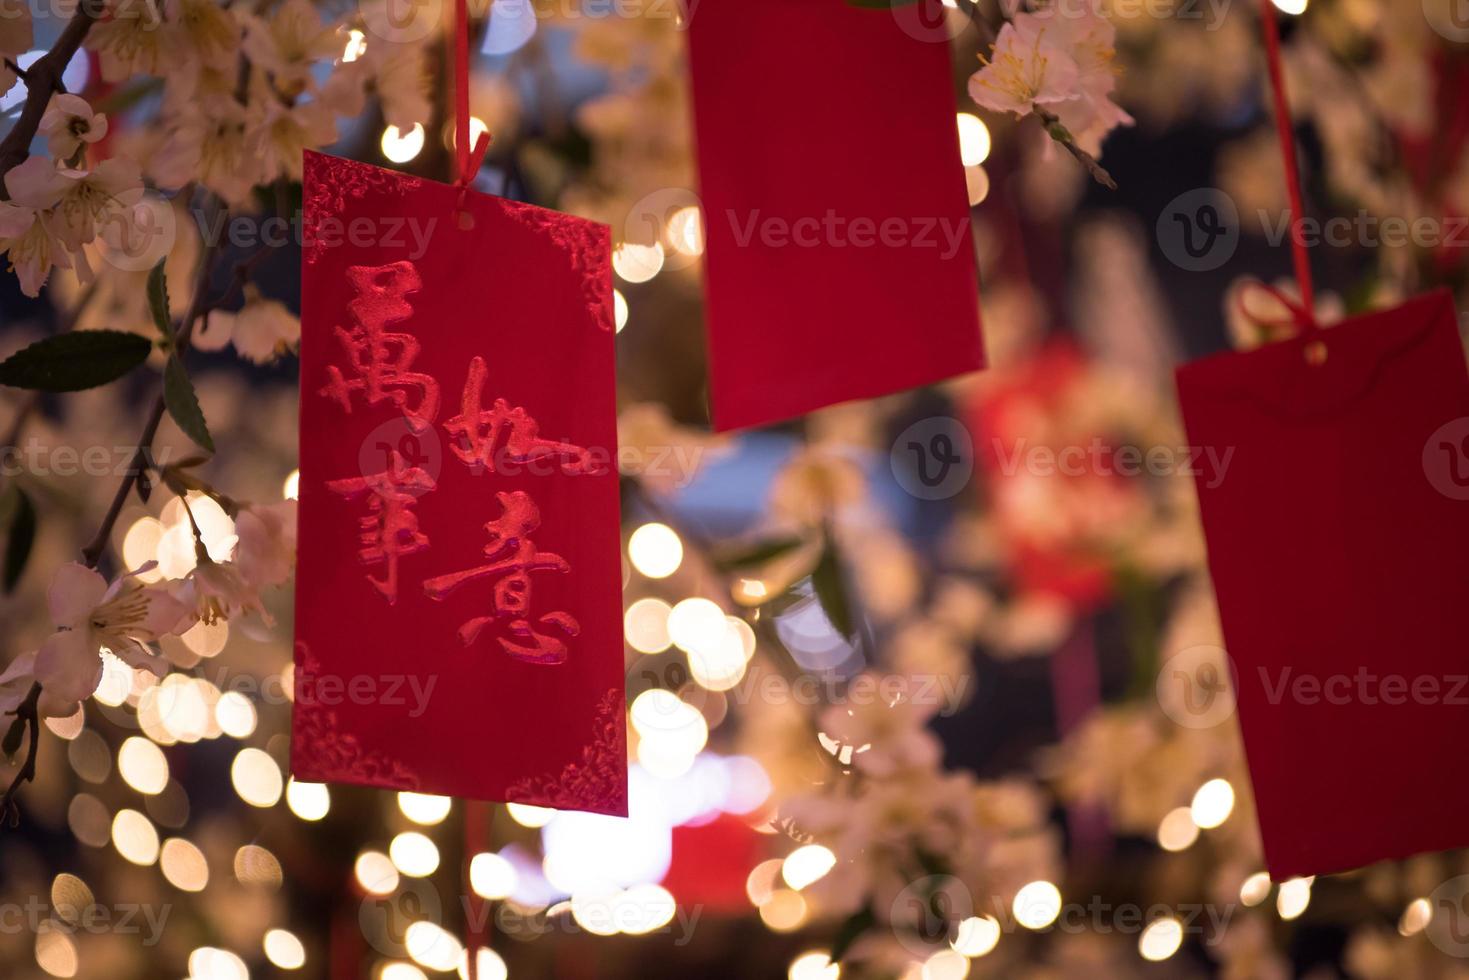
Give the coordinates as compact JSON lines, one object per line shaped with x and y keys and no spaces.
{"x":42,"y":80}
{"x":27,"y":713}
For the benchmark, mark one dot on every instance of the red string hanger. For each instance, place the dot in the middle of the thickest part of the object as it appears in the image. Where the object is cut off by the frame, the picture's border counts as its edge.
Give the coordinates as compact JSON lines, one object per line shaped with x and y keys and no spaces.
{"x":1285,"y":131}
{"x":468,"y":159}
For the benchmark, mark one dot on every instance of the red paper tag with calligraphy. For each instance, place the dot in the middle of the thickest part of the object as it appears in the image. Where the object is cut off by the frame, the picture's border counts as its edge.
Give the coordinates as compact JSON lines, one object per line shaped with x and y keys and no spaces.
{"x":839,"y":260}
{"x":458,"y":596}
{"x":1337,"y":529}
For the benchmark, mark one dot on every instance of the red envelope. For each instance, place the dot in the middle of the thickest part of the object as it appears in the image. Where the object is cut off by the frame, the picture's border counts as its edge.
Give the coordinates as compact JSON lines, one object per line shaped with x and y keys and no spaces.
{"x":838,"y":250}
{"x":1337,"y":537}
{"x":458,"y":590}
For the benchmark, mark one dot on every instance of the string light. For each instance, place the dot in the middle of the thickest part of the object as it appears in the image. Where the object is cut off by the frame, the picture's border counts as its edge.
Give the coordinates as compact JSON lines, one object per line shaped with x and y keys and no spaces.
{"x":807,"y":865}
{"x":424,"y":808}
{"x":974,"y":139}
{"x":284,"y":950}
{"x":1293,"y":897}
{"x":1037,"y":905}
{"x":309,"y":801}
{"x":1160,"y":939}
{"x":414,"y":854}
{"x":814,"y":966}
{"x":976,"y":936}
{"x":401,"y":147}
{"x":655,"y":550}
{"x":1212,"y":804}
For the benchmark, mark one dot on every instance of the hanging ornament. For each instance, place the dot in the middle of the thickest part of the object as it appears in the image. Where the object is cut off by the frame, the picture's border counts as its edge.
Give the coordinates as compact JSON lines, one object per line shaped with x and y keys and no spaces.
{"x":458,"y":607}
{"x":838,"y":247}
{"x":1336,"y":539}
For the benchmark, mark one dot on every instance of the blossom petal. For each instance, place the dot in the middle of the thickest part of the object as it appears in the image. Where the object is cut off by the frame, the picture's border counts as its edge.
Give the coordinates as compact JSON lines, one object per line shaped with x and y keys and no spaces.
{"x":68,"y":665}
{"x":74,"y":592}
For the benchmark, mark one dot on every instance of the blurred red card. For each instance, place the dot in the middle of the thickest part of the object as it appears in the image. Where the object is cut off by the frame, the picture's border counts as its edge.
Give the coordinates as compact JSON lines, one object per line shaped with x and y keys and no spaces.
{"x":838,"y":249}
{"x":1337,"y":538}
{"x":458,"y":589}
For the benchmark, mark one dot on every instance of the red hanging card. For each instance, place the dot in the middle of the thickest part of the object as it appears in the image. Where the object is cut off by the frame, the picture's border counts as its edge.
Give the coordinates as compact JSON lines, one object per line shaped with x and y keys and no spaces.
{"x":458,"y":597}
{"x":838,"y":250}
{"x":1337,"y":534}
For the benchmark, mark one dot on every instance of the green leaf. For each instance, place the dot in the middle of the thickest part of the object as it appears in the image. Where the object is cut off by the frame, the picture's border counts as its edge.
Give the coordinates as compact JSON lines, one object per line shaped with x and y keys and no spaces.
{"x":19,"y":541}
{"x":850,"y":931}
{"x":75,"y":361}
{"x":183,"y":403}
{"x":831,"y":590}
{"x":158,"y":300}
{"x":757,"y":553}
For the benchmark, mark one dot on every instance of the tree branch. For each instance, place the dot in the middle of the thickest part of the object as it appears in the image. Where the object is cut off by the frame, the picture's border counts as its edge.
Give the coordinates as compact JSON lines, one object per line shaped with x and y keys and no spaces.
{"x":42,"y":80}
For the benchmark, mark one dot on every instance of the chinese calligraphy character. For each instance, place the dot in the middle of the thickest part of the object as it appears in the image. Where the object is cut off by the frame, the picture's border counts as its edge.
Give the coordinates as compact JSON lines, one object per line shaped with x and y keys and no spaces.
{"x":390,"y":530}
{"x":477,"y":431}
{"x":517,"y":556}
{"x":381,"y":360}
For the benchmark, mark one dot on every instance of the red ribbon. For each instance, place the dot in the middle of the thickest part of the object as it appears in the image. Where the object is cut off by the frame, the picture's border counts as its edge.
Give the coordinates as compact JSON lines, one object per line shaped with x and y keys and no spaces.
{"x":1284,"y":130}
{"x":469,"y":160}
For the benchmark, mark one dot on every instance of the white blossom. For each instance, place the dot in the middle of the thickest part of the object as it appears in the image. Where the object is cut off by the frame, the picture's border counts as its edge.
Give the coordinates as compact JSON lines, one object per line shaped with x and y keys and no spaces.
{"x":89,"y":615}
{"x":70,"y":125}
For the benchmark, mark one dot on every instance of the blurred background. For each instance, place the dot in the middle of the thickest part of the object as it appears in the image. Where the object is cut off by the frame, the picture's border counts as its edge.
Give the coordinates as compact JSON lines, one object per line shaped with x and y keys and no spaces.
{"x":976,"y":728}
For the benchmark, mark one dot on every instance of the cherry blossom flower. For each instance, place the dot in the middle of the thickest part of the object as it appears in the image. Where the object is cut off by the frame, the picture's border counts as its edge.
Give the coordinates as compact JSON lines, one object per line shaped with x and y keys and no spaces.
{"x":218,"y":590}
{"x":129,"y":39}
{"x":1088,"y":39}
{"x":29,"y":230}
{"x":89,"y":196}
{"x":206,"y":29}
{"x":1027,"y":66}
{"x":261,"y":330}
{"x":266,"y":550}
{"x":89,"y":615}
{"x":289,"y":43}
{"x":1061,"y":59}
{"x":70,"y":125}
{"x":278,"y":134}
{"x":206,"y":143}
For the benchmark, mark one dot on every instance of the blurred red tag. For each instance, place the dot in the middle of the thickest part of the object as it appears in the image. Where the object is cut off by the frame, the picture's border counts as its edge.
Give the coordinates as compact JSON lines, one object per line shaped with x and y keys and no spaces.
{"x":458,"y":596}
{"x":1337,"y":535}
{"x":838,"y":249}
